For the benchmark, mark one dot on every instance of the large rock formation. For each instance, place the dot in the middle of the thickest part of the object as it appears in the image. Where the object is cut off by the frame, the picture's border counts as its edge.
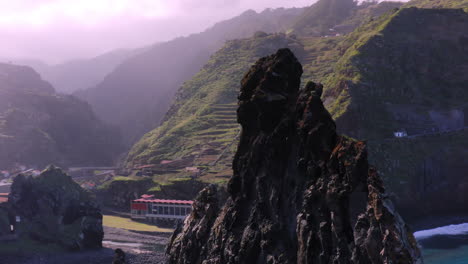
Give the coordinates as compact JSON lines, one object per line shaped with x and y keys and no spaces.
{"x":300,"y":193}
{"x":54,"y":209}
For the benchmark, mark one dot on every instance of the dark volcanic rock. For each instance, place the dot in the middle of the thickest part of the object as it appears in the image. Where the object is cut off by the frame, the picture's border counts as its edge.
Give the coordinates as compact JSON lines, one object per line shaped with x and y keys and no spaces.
{"x":294,"y":195}
{"x":54,"y":209}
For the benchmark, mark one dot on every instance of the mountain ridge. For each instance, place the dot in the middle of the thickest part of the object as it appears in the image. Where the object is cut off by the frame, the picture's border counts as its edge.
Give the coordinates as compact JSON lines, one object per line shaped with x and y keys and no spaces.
{"x":138,"y":92}
{"x":39,"y":127}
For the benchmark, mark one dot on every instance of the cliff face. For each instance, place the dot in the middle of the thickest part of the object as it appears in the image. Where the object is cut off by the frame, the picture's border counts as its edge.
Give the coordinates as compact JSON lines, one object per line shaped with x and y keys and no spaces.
{"x":393,"y":76}
{"x":300,"y":193}
{"x":55,"y":209}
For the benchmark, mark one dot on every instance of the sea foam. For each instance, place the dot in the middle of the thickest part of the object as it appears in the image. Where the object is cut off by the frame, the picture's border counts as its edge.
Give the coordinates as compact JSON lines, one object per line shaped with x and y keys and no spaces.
{"x":461,"y":229}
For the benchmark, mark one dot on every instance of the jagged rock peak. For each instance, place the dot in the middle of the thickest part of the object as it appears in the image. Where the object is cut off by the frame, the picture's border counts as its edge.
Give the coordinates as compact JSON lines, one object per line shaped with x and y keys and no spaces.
{"x":300,"y":193}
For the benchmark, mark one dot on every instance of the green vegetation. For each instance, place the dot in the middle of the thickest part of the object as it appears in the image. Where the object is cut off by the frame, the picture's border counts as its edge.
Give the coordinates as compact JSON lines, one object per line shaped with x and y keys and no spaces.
{"x":391,"y":74}
{"x":438,"y":4}
{"x":201,"y":124}
{"x":121,"y":180}
{"x":367,"y":84}
{"x":331,"y":17}
{"x":323,"y":15}
{"x":401,"y":160}
{"x":126,"y":223}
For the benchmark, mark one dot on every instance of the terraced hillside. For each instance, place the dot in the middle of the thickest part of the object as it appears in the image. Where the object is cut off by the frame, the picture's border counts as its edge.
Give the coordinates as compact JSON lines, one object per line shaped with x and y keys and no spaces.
{"x":201,"y":124}
{"x":213,"y":140}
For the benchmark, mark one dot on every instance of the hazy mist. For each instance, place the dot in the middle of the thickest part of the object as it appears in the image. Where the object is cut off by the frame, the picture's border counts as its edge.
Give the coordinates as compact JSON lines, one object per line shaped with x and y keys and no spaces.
{"x":59,"y":30}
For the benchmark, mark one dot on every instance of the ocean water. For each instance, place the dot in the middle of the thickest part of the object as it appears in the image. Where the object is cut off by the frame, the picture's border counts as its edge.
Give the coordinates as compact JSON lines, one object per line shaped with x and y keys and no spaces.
{"x":444,"y":245}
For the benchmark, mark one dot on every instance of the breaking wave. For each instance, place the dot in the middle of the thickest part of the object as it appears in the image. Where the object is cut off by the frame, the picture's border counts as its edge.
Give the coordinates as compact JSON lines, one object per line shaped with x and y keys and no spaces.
{"x":461,"y":229}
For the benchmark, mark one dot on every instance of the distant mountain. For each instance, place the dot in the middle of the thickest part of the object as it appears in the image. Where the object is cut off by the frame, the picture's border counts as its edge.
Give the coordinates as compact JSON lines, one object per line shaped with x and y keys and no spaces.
{"x":39,"y":127}
{"x":75,"y":75}
{"x":332,"y":17}
{"x":136,"y":95}
{"x":323,"y":15}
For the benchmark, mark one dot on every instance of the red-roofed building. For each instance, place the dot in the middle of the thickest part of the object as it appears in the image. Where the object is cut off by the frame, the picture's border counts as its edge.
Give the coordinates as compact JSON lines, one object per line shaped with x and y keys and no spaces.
{"x":3,"y":197}
{"x":150,"y":209}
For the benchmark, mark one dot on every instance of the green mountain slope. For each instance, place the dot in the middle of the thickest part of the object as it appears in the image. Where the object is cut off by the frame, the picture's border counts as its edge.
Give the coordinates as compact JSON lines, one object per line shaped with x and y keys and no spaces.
{"x":200,"y":128}
{"x":39,"y":127}
{"x":406,"y":71}
{"x":412,"y":60}
{"x":201,"y":125}
{"x":438,"y":4}
{"x":323,"y":15}
{"x":338,"y":17}
{"x":212,"y":94}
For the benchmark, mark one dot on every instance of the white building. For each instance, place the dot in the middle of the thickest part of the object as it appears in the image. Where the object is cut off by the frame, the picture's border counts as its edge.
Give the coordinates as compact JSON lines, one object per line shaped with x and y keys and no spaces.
{"x":400,"y":134}
{"x":150,"y":209}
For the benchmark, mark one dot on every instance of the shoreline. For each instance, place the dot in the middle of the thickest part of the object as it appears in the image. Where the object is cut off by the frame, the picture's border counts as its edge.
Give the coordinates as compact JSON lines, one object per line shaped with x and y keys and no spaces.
{"x":139,"y":247}
{"x":437,"y":221}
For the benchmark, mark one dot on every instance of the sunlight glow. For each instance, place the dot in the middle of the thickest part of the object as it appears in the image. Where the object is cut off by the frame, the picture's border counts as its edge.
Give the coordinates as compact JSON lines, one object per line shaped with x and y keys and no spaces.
{"x":86,"y":12}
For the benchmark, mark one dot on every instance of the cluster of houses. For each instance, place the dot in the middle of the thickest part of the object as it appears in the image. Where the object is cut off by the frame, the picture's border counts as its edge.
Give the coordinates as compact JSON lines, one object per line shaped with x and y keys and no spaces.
{"x":20,"y":169}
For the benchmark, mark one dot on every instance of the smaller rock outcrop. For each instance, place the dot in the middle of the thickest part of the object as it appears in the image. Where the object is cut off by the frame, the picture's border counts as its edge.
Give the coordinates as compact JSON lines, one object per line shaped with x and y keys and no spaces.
{"x":300,"y":192}
{"x":119,"y":257}
{"x":52,"y":208}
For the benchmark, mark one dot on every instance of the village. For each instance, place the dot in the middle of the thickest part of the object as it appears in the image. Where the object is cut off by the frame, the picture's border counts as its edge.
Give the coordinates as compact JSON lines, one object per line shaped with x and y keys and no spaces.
{"x":145,"y":208}
{"x":146,"y":222}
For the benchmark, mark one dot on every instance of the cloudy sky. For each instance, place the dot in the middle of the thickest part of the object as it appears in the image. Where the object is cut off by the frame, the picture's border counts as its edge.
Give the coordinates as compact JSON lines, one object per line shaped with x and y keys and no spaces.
{"x":58,"y":30}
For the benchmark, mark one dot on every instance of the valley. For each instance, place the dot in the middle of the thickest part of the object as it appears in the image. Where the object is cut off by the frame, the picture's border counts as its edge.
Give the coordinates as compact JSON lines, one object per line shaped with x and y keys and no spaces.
{"x":209,"y":118}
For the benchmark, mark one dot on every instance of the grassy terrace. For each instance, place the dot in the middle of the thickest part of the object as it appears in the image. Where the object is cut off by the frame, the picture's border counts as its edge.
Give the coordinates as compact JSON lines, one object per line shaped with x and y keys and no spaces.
{"x":128,"y":224}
